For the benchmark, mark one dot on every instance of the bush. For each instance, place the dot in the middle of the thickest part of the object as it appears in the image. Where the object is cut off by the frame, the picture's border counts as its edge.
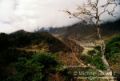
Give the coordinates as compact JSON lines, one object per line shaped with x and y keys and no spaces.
{"x":36,"y":68}
{"x":113,"y":49}
{"x":94,"y":58}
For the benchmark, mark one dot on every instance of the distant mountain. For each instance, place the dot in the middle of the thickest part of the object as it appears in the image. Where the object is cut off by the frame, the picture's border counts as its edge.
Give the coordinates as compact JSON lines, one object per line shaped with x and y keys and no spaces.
{"x":111,"y":27}
{"x":84,"y":31}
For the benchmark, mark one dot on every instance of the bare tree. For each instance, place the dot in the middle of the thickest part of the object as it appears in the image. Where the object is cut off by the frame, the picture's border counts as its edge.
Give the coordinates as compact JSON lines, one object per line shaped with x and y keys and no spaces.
{"x":91,"y":12}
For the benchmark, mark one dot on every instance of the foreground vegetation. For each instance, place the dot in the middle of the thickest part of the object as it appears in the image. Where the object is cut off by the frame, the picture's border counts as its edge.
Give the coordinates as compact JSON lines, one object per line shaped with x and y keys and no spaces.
{"x":38,"y":67}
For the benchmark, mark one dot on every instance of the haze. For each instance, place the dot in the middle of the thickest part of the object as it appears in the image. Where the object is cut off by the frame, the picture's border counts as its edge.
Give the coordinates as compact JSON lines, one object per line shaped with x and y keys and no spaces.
{"x":32,"y":14}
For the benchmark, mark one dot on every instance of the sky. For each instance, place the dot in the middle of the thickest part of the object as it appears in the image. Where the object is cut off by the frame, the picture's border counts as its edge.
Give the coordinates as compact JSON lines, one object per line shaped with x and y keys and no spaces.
{"x":32,"y":14}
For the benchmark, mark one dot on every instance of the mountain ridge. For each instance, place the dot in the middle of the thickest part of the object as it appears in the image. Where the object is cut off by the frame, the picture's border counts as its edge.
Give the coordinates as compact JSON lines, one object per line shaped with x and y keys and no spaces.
{"x":83,"y":31}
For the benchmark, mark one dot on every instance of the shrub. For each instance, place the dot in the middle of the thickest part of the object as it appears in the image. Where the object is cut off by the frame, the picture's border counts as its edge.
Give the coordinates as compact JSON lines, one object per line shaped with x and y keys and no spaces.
{"x":113,"y":49}
{"x":94,"y":58}
{"x":36,"y":68}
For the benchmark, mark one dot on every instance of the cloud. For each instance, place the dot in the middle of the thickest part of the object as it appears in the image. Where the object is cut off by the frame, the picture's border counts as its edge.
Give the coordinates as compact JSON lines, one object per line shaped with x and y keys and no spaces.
{"x":30,"y":14}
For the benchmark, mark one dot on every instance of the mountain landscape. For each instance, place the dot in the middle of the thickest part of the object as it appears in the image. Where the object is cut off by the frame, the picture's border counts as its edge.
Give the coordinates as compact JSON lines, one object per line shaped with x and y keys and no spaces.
{"x":59,"y":40}
{"x":59,"y":52}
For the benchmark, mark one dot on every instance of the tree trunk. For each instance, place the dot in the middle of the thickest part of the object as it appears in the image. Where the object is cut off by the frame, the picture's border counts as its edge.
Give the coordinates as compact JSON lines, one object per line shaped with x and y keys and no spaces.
{"x":108,"y":72}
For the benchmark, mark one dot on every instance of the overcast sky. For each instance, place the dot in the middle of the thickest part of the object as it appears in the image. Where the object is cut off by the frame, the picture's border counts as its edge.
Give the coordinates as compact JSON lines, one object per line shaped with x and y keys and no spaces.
{"x":31,"y":14}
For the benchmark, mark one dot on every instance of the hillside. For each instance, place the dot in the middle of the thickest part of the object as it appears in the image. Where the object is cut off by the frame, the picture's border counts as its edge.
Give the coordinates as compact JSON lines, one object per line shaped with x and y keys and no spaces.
{"x":22,"y":44}
{"x":83,"y":31}
{"x":27,"y":40}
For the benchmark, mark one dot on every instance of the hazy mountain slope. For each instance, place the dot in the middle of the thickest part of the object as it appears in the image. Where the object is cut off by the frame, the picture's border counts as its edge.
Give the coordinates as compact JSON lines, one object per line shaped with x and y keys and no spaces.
{"x":83,"y":31}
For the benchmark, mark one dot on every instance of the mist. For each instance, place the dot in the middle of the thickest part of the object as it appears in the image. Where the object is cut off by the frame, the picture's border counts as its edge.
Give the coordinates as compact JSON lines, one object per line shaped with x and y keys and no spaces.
{"x":31,"y":14}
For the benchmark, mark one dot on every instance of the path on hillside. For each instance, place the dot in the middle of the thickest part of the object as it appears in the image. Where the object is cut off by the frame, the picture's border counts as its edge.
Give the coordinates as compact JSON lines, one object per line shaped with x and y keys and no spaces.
{"x":86,"y":45}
